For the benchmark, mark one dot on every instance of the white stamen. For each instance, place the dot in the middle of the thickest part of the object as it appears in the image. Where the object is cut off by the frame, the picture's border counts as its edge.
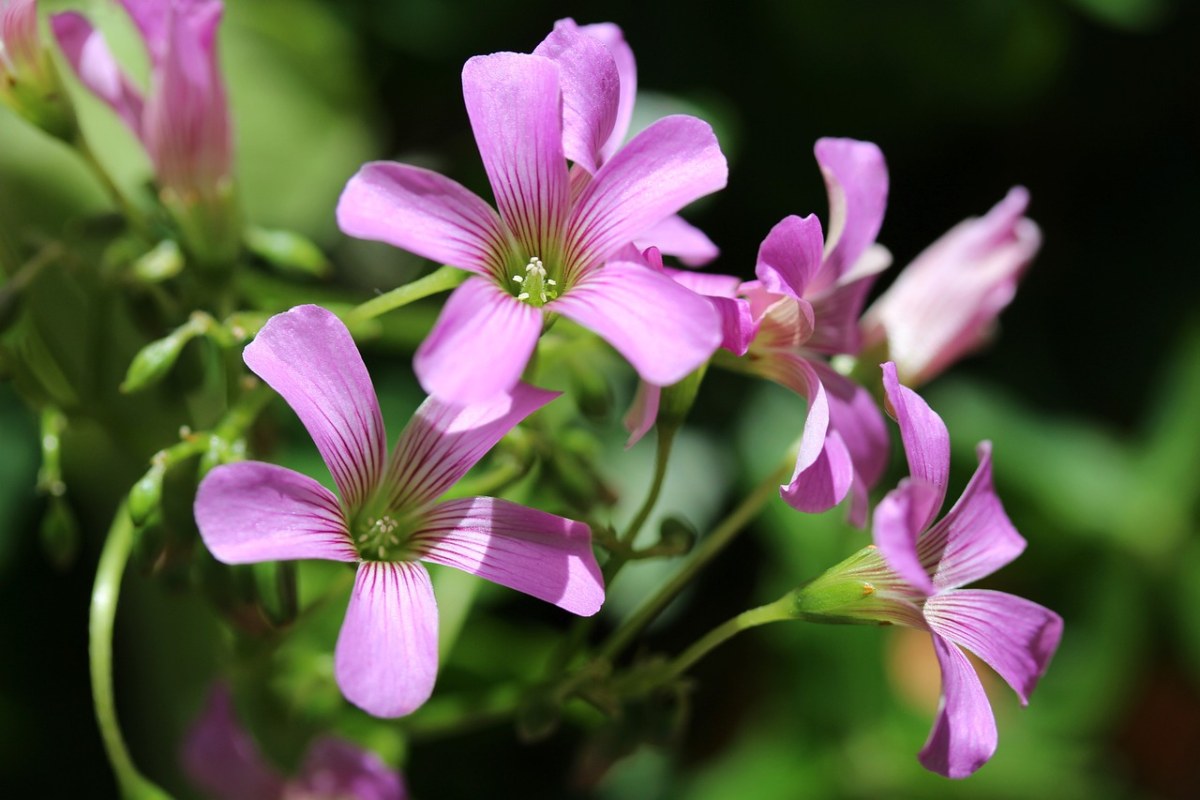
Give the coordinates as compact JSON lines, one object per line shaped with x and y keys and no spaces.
{"x":535,"y":282}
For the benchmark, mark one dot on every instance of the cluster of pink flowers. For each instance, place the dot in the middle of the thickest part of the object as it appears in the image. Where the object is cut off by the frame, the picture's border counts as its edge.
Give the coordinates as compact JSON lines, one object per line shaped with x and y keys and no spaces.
{"x":580,"y":222}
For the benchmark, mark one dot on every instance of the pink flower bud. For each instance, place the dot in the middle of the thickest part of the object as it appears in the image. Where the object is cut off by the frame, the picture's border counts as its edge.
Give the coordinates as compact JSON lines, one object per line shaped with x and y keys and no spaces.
{"x":944,"y":304}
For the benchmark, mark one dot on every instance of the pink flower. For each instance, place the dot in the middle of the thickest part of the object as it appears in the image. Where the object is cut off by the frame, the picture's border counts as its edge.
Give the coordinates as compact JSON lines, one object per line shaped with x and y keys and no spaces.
{"x":945,"y":303}
{"x":550,"y":249}
{"x":20,"y":45}
{"x":805,"y":306}
{"x":183,"y":120}
{"x":388,"y":519}
{"x":221,"y":758}
{"x":927,"y":563}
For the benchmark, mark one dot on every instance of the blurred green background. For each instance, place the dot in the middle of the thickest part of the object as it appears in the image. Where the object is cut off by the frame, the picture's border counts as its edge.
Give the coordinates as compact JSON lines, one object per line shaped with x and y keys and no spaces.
{"x":1091,"y":393}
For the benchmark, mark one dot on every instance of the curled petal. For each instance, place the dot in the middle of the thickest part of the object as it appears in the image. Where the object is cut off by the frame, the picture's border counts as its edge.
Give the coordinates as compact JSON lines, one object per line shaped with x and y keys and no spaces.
{"x":386,"y":658}
{"x":611,"y":37}
{"x":896,"y":529}
{"x":479,"y":345}
{"x":336,"y":768}
{"x":1015,"y":636}
{"x":425,"y":213}
{"x":591,"y":88}
{"x":220,"y":757}
{"x":677,"y":237}
{"x":837,"y":309}
{"x":664,"y":330}
{"x":926,"y":441}
{"x":442,"y":442}
{"x":514,"y":105}
{"x":975,"y":538}
{"x":790,"y":255}
{"x":964,"y":735}
{"x":643,"y":411}
{"x":89,"y":55}
{"x":856,"y":179}
{"x":540,"y":554}
{"x":825,"y":482}
{"x":309,"y":357}
{"x":249,"y":512}
{"x":671,"y":163}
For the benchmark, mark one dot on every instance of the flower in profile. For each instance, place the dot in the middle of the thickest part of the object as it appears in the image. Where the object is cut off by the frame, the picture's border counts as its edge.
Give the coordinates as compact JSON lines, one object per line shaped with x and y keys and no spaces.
{"x":913,"y":576}
{"x":388,"y":519}
{"x":550,"y":249}
{"x":944,"y":304}
{"x":28,"y":80}
{"x":804,"y":307}
{"x":221,"y":759}
{"x":182,"y":121}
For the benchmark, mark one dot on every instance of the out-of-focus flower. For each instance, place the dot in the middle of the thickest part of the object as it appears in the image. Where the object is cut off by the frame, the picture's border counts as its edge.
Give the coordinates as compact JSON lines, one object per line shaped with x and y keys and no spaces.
{"x":29,"y":82}
{"x":913,"y":574}
{"x":222,"y":760}
{"x":804,"y":306}
{"x":944,"y":304}
{"x":182,"y":120}
{"x":550,"y":250}
{"x":388,"y":518}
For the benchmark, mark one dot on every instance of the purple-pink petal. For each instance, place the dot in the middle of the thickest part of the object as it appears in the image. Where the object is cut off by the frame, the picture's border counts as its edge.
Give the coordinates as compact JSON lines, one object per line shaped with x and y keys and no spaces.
{"x":612,"y":38}
{"x":88,"y":54}
{"x":964,"y":735}
{"x":336,"y":768}
{"x":442,"y":442}
{"x":591,"y":88}
{"x":540,"y":554}
{"x":671,"y":163}
{"x":515,"y":108}
{"x":790,"y":255}
{"x":1014,"y":636}
{"x":926,"y":440}
{"x":642,"y":413}
{"x":677,"y":237}
{"x":308,"y":356}
{"x":837,"y":308}
{"x":975,"y":538}
{"x":825,"y":482}
{"x":896,"y":527}
{"x":220,"y":757}
{"x":856,"y":179}
{"x":664,"y":330}
{"x":425,"y":213}
{"x":249,"y":512}
{"x":387,"y":657}
{"x":479,"y":345}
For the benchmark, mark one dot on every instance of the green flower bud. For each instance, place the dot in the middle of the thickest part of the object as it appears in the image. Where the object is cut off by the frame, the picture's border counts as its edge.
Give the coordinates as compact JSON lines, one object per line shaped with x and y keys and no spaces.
{"x":165,"y":261}
{"x":145,"y":498}
{"x":288,"y":251}
{"x":155,"y":360}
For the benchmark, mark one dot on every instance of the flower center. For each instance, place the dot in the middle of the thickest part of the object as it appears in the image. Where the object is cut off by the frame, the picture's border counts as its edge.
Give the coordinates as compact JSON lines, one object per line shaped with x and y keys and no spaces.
{"x":536,"y":288}
{"x":381,"y":538}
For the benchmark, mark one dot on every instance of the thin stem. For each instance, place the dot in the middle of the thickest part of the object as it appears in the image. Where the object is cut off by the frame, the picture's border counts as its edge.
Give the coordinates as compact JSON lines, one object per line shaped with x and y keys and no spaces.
{"x":102,"y":616}
{"x":773,"y":612}
{"x":440,"y":280}
{"x":131,"y":212}
{"x":708,"y":548}
{"x":624,"y":552}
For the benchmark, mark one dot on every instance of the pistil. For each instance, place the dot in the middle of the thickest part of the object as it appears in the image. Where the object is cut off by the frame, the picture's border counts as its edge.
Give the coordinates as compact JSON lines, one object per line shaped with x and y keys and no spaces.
{"x":536,"y":288}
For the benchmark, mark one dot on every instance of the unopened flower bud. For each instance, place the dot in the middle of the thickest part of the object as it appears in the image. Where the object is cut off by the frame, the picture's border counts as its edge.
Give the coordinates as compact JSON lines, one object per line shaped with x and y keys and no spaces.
{"x":288,"y":251}
{"x":676,"y":536}
{"x":677,"y":399}
{"x":160,"y":264}
{"x":155,"y":360}
{"x":145,"y":498}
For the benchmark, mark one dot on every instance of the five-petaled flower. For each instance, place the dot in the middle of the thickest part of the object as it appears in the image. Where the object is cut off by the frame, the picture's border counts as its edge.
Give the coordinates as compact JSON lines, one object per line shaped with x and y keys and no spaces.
{"x":913,"y":577}
{"x":388,"y":518}
{"x":551,"y":248}
{"x":221,"y":758}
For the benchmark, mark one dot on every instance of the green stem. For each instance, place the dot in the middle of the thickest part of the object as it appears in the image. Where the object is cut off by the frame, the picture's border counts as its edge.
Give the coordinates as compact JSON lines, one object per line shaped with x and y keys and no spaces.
{"x":102,"y":616}
{"x":773,"y":612}
{"x":624,"y":551}
{"x":440,"y":280}
{"x":126,"y":206}
{"x":708,"y":548}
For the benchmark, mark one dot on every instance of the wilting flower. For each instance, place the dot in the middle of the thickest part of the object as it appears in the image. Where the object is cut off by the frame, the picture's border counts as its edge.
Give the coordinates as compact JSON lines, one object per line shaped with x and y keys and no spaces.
{"x":944,"y":304}
{"x":913,"y":574}
{"x":805,"y":306}
{"x":183,"y":119}
{"x":388,"y":518}
{"x":28,"y":80}
{"x":220,"y":758}
{"x":549,"y":251}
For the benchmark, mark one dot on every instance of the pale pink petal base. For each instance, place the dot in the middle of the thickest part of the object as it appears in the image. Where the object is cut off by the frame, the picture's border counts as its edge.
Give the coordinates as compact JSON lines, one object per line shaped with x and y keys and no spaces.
{"x":387,"y":657}
{"x":540,"y":554}
{"x":964,"y":735}
{"x":249,"y":512}
{"x":897,"y":524}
